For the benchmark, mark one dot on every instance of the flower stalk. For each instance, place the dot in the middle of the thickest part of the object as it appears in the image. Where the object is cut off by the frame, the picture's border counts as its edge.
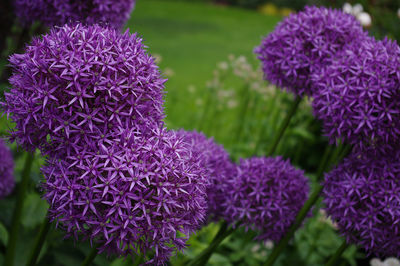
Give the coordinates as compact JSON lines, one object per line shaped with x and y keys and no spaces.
{"x":91,"y":256}
{"x":326,"y":163}
{"x":17,"y":214}
{"x":223,"y":232}
{"x":39,"y":241}
{"x":205,"y":255}
{"x":245,"y":94}
{"x":299,"y":220}
{"x":284,"y":125}
{"x":334,"y":259}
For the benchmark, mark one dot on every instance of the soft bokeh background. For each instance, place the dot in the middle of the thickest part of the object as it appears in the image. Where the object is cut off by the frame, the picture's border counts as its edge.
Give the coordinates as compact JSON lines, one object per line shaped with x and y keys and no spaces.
{"x":205,"y":49}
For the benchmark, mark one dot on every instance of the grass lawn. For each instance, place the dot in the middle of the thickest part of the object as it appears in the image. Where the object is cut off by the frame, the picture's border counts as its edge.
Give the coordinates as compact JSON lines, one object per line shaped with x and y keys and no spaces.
{"x":192,"y":38}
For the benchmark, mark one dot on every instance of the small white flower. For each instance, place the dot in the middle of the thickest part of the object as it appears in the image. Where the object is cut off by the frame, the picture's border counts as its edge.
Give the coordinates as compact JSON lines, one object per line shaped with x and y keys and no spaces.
{"x":357,"y":9}
{"x":157,"y":58}
{"x":255,"y":248}
{"x":365,"y":19}
{"x":347,"y":8}
{"x":387,"y":262}
{"x":169,"y":72}
{"x":223,"y":65}
{"x":269,"y":244}
{"x":199,"y":102}
{"x":398,"y":12}
{"x":232,"y":104}
{"x":192,"y":88}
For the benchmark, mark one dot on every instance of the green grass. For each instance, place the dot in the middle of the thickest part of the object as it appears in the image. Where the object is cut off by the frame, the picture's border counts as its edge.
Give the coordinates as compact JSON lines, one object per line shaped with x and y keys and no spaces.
{"x":192,"y":38}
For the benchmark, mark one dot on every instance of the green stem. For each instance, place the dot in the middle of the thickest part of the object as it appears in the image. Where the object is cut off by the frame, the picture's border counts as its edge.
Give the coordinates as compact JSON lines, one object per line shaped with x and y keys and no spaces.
{"x":336,"y":153}
{"x":39,"y":241}
{"x":204,"y":114}
{"x":205,"y":255}
{"x":209,"y":107}
{"x":260,"y":138}
{"x":284,"y":125}
{"x":91,"y":256}
{"x":324,"y":160}
{"x":345,"y":151}
{"x":242,"y":113}
{"x":17,"y":214}
{"x":334,"y":157}
{"x":268,"y":113}
{"x":334,"y":259}
{"x":22,"y":40}
{"x":297,"y":223}
{"x":138,"y":260}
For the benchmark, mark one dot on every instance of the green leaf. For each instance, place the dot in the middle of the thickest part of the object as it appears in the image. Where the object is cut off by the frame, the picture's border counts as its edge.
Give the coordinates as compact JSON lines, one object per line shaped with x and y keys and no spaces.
{"x":217,"y":259}
{"x":302,"y":133}
{"x":34,"y":210}
{"x":66,"y":259}
{"x":3,"y":234}
{"x":121,"y":262}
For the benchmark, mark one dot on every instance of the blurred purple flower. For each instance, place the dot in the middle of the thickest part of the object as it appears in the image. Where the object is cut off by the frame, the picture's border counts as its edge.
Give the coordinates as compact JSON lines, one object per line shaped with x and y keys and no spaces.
{"x":114,"y":13}
{"x":265,"y":195}
{"x":145,"y":196}
{"x":215,"y":160}
{"x":78,"y":85}
{"x":304,"y":43}
{"x":362,"y":194}
{"x":7,"y":181}
{"x":358,"y":96}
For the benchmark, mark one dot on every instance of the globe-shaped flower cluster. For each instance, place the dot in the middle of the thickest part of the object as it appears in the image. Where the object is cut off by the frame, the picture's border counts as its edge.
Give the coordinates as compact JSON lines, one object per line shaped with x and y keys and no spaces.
{"x":90,"y":98}
{"x":218,"y":166}
{"x":55,"y":12}
{"x":7,"y":181}
{"x":358,"y":98}
{"x":304,"y":43}
{"x":362,"y":194}
{"x":145,"y":196}
{"x":265,"y":195}
{"x":79,"y":84}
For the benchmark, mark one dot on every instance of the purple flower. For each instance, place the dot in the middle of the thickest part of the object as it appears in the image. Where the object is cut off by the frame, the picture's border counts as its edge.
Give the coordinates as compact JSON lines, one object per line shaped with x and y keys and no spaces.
{"x":215,"y":160}
{"x":358,"y":98}
{"x":78,"y":85}
{"x":304,"y":43}
{"x":146,"y":195}
{"x":7,"y":181}
{"x":265,"y":195}
{"x":59,"y":12}
{"x":362,"y":194}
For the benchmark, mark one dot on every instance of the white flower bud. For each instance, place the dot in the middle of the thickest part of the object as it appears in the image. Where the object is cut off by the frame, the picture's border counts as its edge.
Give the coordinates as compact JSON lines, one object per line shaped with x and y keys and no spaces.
{"x":365,"y":19}
{"x":357,"y":9}
{"x":347,"y":8}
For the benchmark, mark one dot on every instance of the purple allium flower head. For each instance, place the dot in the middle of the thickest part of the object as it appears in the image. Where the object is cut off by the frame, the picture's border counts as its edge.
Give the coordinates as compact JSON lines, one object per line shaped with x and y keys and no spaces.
{"x":80,"y":84}
{"x":362,"y":194}
{"x":215,"y":160}
{"x":59,"y":12}
{"x":303,"y":43}
{"x":358,"y":96}
{"x":144,"y":196}
{"x":7,"y":181}
{"x":266,"y":194}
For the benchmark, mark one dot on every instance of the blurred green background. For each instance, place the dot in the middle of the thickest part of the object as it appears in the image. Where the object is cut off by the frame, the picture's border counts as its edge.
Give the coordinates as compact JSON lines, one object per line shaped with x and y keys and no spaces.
{"x":205,"y":49}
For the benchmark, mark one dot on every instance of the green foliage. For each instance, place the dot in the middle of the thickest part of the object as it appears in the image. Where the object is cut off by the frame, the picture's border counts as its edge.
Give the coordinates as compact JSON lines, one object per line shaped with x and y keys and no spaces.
{"x":199,"y":42}
{"x":191,"y":38}
{"x":3,"y":235}
{"x":34,"y":211}
{"x":318,"y":240}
